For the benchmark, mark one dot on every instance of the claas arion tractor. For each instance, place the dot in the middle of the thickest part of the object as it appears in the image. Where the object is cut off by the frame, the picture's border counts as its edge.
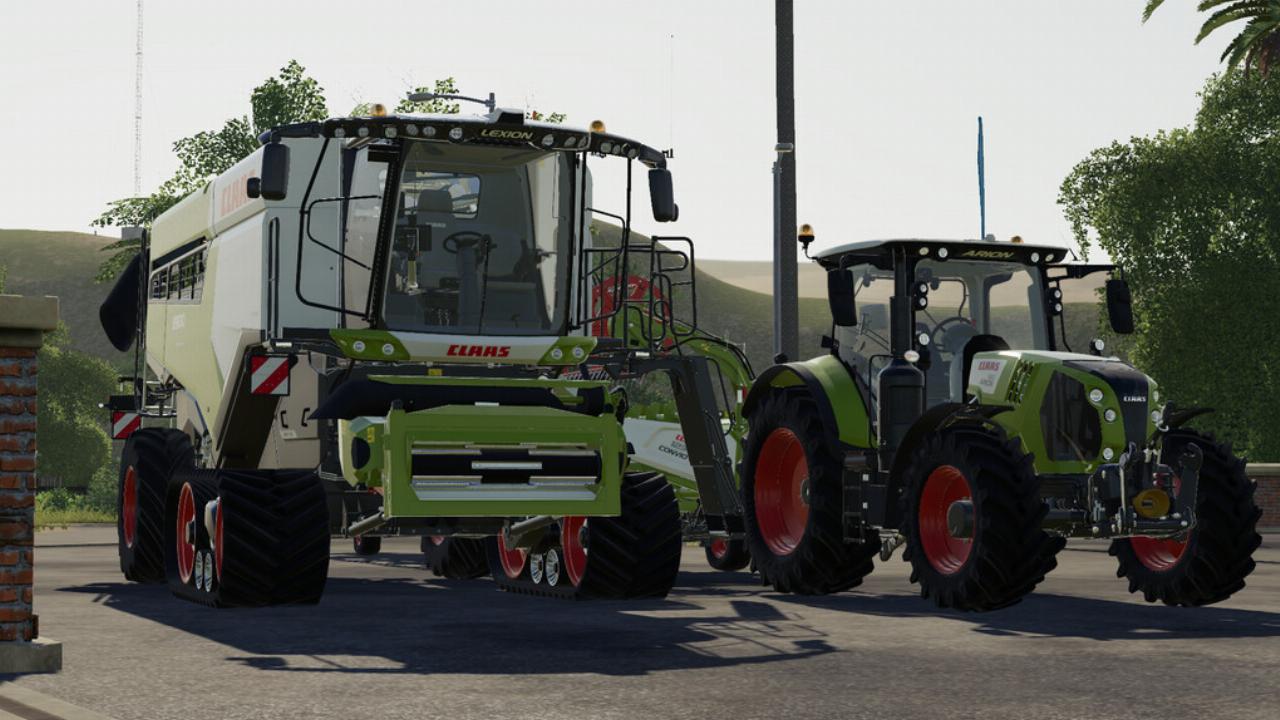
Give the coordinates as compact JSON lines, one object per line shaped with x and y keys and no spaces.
{"x":404,"y":325}
{"x":950,"y":416}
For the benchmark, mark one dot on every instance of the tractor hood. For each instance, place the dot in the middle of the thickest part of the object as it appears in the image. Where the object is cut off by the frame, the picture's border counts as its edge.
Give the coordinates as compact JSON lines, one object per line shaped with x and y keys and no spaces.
{"x":1088,"y":409}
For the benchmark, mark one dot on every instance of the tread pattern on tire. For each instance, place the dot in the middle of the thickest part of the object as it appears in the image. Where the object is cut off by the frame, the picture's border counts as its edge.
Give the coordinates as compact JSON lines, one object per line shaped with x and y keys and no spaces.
{"x":155,"y":454}
{"x":456,"y":558}
{"x":1219,"y":554}
{"x":634,"y":555}
{"x":822,"y":562}
{"x":275,"y":535}
{"x":1011,"y":552}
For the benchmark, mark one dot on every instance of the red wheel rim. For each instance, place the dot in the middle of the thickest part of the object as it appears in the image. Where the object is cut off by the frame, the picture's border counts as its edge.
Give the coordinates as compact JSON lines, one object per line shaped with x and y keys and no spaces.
{"x":781,"y":510}
{"x":129,"y":509}
{"x":436,"y":539}
{"x":719,"y":548}
{"x":1159,"y":554}
{"x":512,"y":559}
{"x":945,"y":485}
{"x":186,"y":518}
{"x":217,"y":541}
{"x":575,"y":554}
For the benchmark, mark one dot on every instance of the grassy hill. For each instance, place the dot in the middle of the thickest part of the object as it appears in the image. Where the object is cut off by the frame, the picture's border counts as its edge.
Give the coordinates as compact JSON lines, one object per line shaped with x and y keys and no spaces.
{"x":62,"y":264}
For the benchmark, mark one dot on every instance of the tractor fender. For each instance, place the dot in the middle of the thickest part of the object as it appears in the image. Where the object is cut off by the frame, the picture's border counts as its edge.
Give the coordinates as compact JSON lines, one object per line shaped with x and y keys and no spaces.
{"x":934,"y":418}
{"x":838,"y":396}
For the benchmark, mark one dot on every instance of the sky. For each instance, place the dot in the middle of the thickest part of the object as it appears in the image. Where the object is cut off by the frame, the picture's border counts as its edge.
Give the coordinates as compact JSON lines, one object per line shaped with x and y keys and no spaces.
{"x":887,"y":96}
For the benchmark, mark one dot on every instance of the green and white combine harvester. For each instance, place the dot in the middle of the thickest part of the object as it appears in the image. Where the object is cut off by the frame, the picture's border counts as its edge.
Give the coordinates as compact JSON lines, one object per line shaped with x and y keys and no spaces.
{"x":924,"y":427}
{"x":402,"y":325}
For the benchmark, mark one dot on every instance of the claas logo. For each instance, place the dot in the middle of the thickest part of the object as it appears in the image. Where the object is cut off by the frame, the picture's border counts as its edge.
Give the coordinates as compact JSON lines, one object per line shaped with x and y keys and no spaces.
{"x":493,"y":351}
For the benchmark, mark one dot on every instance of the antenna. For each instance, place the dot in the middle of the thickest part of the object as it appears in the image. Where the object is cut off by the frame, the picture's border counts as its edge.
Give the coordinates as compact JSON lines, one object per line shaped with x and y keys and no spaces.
{"x":982,"y":184}
{"x":137,"y":111}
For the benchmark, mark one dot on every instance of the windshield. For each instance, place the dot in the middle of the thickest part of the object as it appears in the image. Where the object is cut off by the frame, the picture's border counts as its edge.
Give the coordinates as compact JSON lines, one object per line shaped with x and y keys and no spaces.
{"x":481,"y":241}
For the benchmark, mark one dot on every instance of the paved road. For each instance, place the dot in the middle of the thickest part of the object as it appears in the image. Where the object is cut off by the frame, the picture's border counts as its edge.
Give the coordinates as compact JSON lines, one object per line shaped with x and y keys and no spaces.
{"x":389,"y":641}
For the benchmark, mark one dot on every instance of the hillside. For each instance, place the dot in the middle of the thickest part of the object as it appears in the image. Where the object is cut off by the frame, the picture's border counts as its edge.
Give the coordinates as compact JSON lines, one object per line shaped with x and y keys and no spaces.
{"x":62,"y":264}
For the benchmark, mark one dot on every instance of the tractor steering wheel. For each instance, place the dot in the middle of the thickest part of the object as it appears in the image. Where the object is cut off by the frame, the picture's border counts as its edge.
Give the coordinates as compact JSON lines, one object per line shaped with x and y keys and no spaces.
{"x":465,"y":239}
{"x":947,"y":339}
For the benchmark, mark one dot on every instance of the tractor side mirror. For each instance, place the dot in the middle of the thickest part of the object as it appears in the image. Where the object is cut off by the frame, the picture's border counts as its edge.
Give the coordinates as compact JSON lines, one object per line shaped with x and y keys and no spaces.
{"x":662,"y":196}
{"x":273,"y":184}
{"x":844,"y":309}
{"x":1119,"y":306}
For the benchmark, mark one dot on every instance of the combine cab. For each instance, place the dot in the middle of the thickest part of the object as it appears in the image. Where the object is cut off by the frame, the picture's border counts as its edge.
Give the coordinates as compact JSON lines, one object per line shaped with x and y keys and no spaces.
{"x":951,"y":417}
{"x":403,"y":325}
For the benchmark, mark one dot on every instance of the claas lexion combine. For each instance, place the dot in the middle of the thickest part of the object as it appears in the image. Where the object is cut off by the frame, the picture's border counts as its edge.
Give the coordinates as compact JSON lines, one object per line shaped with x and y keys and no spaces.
{"x":395,"y":325}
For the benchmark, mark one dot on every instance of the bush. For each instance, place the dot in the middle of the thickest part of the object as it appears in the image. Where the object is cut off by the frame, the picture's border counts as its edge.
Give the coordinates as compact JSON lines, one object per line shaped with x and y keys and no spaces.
{"x":101,"y":495}
{"x":73,"y":442}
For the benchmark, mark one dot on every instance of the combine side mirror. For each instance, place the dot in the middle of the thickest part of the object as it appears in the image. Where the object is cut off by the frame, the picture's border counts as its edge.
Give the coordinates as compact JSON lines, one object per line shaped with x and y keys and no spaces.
{"x":844,"y":310}
{"x":273,"y":184}
{"x":1119,"y":306}
{"x":119,"y":312}
{"x":662,"y":196}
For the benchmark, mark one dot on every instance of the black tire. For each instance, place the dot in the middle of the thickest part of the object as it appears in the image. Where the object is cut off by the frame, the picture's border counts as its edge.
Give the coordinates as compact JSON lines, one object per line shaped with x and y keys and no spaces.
{"x":1009,"y":552}
{"x":366,"y":545}
{"x":275,"y":548}
{"x":1218,"y":554}
{"x":455,"y":558}
{"x":727,"y":555}
{"x":153,"y":454}
{"x":807,"y":556}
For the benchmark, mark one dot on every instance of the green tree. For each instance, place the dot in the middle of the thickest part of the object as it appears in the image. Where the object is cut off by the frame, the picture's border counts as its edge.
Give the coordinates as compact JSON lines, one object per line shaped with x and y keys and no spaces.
{"x":292,"y":96}
{"x":1193,"y":217}
{"x":1258,"y":44}
{"x":73,"y":445}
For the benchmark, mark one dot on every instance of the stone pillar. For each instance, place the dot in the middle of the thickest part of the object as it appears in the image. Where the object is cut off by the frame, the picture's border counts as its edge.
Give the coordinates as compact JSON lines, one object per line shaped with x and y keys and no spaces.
{"x":23,"y":322}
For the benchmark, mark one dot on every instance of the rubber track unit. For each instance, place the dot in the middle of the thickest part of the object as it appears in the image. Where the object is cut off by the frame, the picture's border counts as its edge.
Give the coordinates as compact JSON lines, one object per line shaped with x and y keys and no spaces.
{"x":634,"y":555}
{"x":1219,"y":554}
{"x":275,"y":536}
{"x":821,"y":562}
{"x":155,"y":454}
{"x":735,"y":558}
{"x":1011,"y":553}
{"x":456,"y":558}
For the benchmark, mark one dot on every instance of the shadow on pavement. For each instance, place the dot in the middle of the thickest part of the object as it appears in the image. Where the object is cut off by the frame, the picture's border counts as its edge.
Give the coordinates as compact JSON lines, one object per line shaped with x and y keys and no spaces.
{"x":1050,"y":615}
{"x":412,"y":625}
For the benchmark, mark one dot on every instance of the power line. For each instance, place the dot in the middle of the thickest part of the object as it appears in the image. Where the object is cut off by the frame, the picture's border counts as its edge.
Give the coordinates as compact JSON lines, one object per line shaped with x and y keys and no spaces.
{"x":137,"y":110}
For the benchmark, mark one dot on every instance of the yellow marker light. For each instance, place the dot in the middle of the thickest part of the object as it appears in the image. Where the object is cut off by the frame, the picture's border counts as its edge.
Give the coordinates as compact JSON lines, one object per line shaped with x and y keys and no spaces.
{"x":378,"y":110}
{"x":806,"y":231}
{"x":1016,"y":239}
{"x":597,"y":126}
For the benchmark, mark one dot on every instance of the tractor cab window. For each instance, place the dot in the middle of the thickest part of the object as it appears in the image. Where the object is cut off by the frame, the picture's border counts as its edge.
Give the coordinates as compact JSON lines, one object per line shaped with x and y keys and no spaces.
{"x":865,"y":346}
{"x":965,"y":300}
{"x":480,"y":242}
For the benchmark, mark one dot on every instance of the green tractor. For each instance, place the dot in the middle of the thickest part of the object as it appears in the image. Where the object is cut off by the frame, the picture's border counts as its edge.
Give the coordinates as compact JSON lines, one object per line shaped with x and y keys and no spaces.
{"x":950,"y":416}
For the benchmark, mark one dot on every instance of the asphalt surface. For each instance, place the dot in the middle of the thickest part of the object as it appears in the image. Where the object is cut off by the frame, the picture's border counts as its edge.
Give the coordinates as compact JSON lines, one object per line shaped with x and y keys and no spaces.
{"x":390,"y":641}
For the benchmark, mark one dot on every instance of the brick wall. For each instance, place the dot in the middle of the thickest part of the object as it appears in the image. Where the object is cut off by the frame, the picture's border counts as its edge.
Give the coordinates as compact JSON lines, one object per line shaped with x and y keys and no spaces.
{"x":17,"y":491}
{"x":1267,"y":476}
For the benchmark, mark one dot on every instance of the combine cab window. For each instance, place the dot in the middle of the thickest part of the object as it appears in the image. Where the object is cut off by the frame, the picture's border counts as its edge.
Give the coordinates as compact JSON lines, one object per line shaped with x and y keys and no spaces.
{"x":479,"y":246}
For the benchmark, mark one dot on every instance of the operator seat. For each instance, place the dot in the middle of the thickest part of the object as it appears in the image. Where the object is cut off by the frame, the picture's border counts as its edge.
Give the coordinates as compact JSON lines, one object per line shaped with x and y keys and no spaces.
{"x":960,"y":370}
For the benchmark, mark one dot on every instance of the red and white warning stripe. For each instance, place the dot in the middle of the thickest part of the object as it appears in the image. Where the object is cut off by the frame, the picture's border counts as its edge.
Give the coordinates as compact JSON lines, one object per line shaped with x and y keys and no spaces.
{"x":124,"y":424}
{"x":269,"y":375}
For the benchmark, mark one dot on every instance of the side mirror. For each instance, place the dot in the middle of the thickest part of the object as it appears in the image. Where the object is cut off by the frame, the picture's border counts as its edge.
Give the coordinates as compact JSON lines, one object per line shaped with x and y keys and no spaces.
{"x":119,"y":312}
{"x":662,"y":196}
{"x":1119,"y":306}
{"x":844,"y":310}
{"x":273,"y":184}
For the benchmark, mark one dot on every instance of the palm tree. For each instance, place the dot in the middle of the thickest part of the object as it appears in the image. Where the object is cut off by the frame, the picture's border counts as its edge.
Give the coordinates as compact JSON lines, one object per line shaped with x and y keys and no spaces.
{"x":1257,"y":45}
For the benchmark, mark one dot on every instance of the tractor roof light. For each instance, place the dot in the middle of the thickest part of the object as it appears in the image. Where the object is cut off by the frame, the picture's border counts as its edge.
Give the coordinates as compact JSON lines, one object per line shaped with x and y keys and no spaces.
{"x":455,"y":133}
{"x":378,"y":110}
{"x":942,"y":253}
{"x":597,"y":126}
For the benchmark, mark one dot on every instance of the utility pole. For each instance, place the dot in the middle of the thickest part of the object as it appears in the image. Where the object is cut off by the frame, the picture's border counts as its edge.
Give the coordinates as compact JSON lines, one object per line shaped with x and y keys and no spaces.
{"x":786,"y":311}
{"x":137,"y":110}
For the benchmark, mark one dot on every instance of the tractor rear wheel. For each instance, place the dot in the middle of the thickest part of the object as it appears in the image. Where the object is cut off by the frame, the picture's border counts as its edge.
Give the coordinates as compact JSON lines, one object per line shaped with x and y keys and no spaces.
{"x":727,"y":555}
{"x":455,"y":558}
{"x":793,"y":502}
{"x":1213,"y":561}
{"x":970,"y":476}
{"x":247,"y":538}
{"x":150,"y":457}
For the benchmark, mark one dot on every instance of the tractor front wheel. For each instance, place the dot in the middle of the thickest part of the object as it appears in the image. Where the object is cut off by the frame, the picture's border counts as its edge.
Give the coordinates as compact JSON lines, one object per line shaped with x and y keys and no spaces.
{"x":1213,"y":561}
{"x":793,"y":504}
{"x":972,"y":517}
{"x":727,"y":555}
{"x":455,"y":558}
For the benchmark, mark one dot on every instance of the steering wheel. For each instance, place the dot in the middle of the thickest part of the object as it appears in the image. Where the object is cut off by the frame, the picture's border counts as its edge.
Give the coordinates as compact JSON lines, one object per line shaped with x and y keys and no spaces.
{"x":465,"y":239}
{"x":952,"y":339}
